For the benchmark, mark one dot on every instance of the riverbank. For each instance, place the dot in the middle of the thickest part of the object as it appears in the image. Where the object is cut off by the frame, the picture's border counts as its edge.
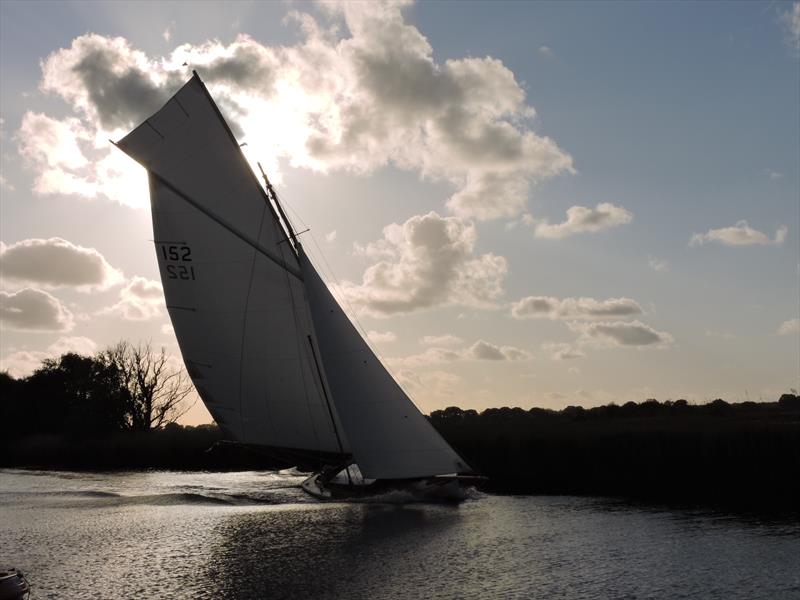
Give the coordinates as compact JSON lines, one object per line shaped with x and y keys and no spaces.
{"x":743,"y":456}
{"x":740,"y":455}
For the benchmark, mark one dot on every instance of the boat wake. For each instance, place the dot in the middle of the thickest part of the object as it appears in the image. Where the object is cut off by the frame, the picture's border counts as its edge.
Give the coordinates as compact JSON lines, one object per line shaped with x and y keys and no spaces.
{"x":243,"y":489}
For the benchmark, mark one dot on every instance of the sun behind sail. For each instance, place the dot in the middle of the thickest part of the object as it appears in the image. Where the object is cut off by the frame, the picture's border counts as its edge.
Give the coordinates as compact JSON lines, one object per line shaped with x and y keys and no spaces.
{"x":231,"y":282}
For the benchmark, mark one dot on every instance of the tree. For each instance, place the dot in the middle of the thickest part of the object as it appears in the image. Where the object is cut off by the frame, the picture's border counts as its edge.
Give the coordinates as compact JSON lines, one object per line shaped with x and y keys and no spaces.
{"x":156,"y":391}
{"x":70,"y":394}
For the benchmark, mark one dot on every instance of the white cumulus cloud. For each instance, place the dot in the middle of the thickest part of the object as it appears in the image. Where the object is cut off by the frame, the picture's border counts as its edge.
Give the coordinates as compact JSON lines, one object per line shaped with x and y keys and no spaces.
{"x":658,"y":264}
{"x":56,"y":262}
{"x":620,"y":333}
{"x":583,"y":219}
{"x":479,"y":351}
{"x":23,"y":362}
{"x":440,"y":340}
{"x":559,"y":351}
{"x":740,"y":234}
{"x":791,"y":19}
{"x":428,"y":261}
{"x":790,"y":327}
{"x":31,"y":309}
{"x":140,"y":299}
{"x":359,"y":91}
{"x":381,"y":336}
{"x":548,"y":307}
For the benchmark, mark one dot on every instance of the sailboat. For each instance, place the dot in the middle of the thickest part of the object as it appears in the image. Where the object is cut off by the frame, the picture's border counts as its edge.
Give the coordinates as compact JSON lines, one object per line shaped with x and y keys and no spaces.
{"x":273,"y":356}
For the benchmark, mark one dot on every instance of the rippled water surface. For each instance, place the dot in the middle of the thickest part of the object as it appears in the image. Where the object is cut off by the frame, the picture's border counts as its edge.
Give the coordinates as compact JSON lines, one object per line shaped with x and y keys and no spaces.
{"x":257,"y":535}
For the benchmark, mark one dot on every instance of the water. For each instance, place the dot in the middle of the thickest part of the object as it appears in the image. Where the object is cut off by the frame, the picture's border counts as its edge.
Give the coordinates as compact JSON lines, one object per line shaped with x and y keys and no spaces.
{"x":257,"y":535}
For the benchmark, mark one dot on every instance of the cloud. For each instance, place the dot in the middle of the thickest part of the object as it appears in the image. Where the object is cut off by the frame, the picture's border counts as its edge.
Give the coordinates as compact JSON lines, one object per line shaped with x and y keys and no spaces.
{"x":563,"y":351}
{"x":381,"y":336}
{"x":479,"y":351}
{"x":620,"y":333}
{"x":77,"y":344}
{"x":657,"y":264}
{"x":740,"y":234}
{"x":110,"y":82}
{"x":330,"y":237}
{"x":582,"y":219}
{"x":791,"y":20}
{"x":32,"y":309}
{"x":23,"y":362}
{"x":55,"y":262}
{"x":548,"y":307}
{"x":440,"y":340}
{"x":725,"y":335}
{"x":359,"y":91}
{"x":71,"y":158}
{"x":428,"y":261}
{"x":790,"y":327}
{"x":546,"y":51}
{"x":436,"y":383}
{"x":140,"y":300}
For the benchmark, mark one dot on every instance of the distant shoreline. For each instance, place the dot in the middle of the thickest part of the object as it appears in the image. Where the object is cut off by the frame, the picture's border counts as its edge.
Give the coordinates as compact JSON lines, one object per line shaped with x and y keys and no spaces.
{"x":739,"y":455}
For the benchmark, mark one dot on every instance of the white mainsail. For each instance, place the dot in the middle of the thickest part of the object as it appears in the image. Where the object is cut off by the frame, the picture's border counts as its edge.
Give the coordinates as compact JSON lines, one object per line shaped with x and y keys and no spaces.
{"x":240,"y":317}
{"x":271,"y":353}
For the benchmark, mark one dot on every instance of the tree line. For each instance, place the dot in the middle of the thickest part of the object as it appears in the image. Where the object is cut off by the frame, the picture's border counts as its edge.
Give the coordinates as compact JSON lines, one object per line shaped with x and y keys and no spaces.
{"x":125,"y":387}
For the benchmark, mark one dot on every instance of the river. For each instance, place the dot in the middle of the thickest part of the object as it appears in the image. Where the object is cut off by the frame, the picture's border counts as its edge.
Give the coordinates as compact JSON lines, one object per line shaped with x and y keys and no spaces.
{"x":257,"y":535}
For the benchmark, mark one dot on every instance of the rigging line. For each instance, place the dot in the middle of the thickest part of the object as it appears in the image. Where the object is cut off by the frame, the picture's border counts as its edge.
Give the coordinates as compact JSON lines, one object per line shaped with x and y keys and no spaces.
{"x":300,"y":354}
{"x":360,"y":327}
{"x":328,"y":403}
{"x":269,"y":198}
{"x":338,"y":288}
{"x":358,"y":324}
{"x":355,"y":314}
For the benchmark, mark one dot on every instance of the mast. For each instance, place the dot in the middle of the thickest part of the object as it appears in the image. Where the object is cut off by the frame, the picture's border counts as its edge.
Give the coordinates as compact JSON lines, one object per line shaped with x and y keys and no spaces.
{"x":274,"y":197}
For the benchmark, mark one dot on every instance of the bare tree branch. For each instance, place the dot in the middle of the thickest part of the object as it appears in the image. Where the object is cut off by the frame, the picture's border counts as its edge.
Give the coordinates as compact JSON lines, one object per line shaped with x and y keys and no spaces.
{"x":156,"y":392}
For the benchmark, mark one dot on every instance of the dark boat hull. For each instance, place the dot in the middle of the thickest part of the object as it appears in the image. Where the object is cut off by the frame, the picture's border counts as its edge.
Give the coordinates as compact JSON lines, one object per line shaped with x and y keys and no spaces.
{"x":428,"y":489}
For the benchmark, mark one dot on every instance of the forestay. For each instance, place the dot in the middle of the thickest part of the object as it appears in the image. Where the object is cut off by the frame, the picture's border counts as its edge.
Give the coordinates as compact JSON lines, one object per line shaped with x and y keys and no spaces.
{"x":389,"y":436}
{"x":240,"y":316}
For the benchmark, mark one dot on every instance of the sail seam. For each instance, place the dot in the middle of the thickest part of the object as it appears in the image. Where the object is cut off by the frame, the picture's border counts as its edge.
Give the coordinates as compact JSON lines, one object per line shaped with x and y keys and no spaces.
{"x":244,"y":321}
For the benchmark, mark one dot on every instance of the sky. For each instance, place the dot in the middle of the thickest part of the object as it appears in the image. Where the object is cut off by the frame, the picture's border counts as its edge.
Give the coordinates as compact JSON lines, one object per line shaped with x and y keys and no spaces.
{"x":520,"y":204}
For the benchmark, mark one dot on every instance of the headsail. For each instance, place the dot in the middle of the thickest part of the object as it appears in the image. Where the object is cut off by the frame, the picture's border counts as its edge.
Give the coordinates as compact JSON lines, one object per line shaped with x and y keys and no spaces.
{"x":231,"y":284}
{"x":389,"y":436}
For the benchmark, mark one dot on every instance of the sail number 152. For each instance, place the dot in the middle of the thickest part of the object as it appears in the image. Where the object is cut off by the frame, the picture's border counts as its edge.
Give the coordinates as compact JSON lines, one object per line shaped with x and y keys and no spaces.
{"x":173,"y":253}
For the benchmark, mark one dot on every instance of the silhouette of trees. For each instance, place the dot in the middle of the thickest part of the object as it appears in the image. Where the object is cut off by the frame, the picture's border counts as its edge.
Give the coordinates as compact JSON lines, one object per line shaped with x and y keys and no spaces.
{"x":125,"y":387}
{"x":155,"y":390}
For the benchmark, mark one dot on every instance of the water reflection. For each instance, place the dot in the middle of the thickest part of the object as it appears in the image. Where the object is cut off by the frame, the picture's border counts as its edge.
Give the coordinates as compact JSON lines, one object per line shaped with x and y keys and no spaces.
{"x":342,"y":551}
{"x":256,"y":535}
